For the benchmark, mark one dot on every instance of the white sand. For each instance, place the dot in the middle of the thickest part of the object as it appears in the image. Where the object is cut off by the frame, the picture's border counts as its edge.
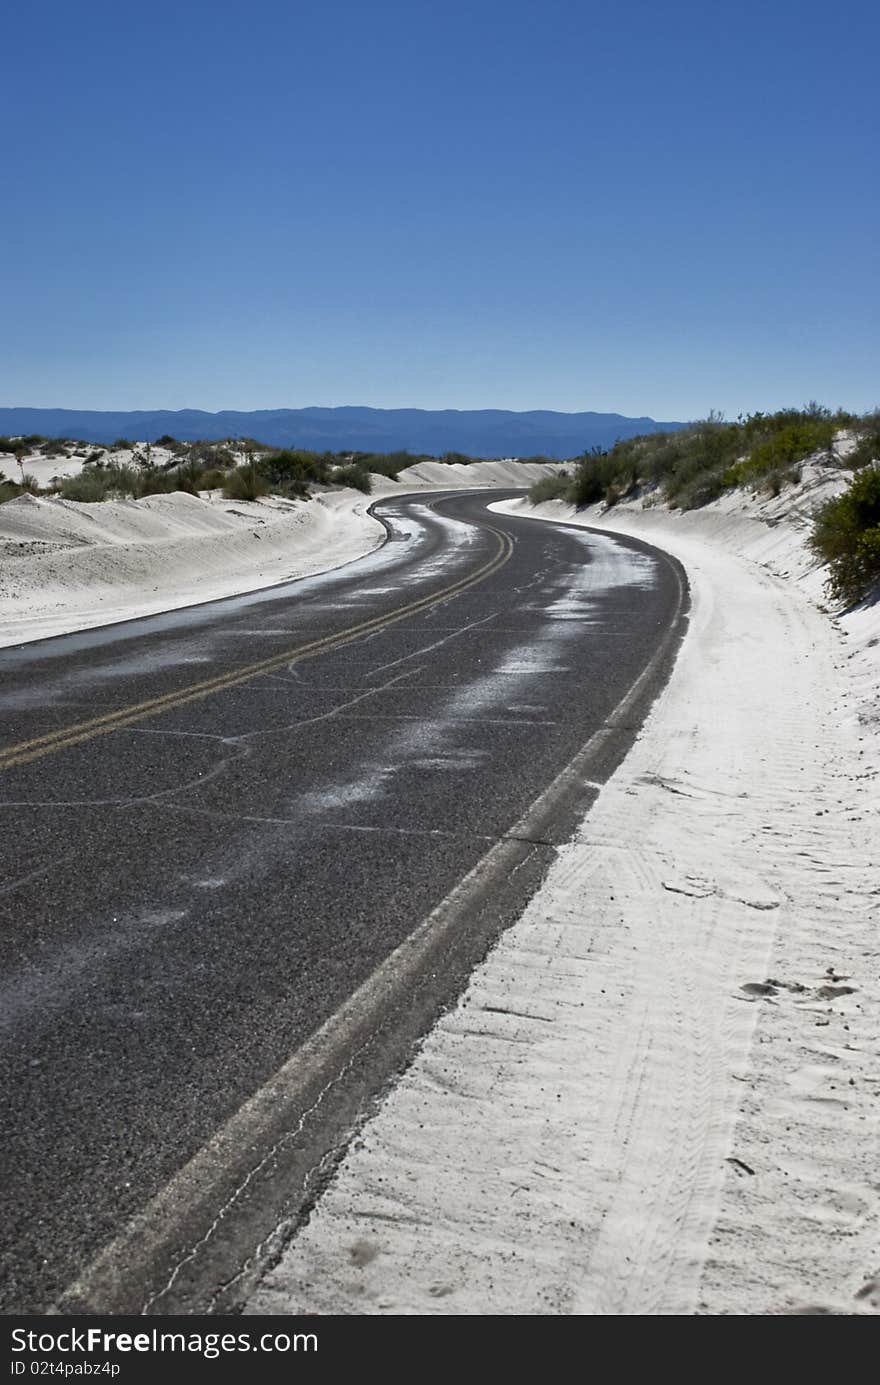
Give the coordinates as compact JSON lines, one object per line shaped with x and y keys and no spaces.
{"x":69,"y":566}
{"x":609,"y":1122}
{"x":58,"y":466}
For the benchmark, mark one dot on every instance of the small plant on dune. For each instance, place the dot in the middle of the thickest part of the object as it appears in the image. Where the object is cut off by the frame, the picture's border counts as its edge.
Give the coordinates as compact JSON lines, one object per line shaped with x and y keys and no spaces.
{"x":352,"y":475}
{"x":389,"y":464}
{"x":209,"y":454}
{"x":87,"y":488}
{"x":846,"y":533}
{"x":550,"y":488}
{"x":213,"y":479}
{"x":594,"y":478}
{"x":244,"y":483}
{"x":867,"y":448}
{"x":25,"y":485}
{"x":290,"y":470}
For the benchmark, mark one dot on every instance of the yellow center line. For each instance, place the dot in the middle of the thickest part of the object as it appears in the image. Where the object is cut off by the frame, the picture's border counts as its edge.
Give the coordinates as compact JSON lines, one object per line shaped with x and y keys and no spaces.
{"x":22,"y":752}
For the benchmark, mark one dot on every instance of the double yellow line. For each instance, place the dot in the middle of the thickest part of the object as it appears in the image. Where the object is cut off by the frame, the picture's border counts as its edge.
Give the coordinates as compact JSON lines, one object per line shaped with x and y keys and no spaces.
{"x":25,"y":751}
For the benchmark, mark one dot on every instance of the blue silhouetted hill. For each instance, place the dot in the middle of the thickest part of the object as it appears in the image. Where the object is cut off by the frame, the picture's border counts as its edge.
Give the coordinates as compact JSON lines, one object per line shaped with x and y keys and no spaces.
{"x":474,"y":432}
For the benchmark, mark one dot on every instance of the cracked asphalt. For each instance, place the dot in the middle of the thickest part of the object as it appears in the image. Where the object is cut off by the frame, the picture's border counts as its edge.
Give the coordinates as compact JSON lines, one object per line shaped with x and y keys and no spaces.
{"x":191,"y":892}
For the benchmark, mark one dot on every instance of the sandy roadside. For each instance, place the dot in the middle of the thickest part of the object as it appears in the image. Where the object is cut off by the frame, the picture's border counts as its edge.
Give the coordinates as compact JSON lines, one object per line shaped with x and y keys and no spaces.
{"x":660,"y":1093}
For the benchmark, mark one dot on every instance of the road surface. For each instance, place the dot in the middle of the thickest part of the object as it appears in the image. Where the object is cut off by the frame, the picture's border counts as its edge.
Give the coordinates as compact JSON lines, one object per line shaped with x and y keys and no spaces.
{"x":253,"y":848}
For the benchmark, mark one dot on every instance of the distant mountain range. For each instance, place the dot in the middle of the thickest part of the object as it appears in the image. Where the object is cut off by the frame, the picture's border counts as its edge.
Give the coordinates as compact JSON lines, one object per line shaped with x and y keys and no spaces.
{"x":475,"y":432}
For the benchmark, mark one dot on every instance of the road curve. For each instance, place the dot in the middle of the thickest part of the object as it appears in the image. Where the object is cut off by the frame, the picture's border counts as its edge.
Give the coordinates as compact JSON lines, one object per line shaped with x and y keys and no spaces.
{"x":254,"y":848}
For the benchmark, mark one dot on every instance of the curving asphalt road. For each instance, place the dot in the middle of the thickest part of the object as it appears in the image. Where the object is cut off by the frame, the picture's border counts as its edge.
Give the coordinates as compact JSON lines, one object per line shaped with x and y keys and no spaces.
{"x":252,"y":850}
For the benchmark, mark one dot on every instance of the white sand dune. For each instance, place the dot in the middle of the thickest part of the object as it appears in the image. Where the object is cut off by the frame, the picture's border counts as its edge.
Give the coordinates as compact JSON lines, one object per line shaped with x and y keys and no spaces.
{"x":70,"y":566}
{"x":458,"y":474}
{"x":660,"y":1093}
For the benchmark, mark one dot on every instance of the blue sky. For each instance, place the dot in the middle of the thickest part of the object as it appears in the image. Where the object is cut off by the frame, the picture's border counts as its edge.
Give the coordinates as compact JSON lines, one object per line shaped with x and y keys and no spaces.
{"x":642,"y":207}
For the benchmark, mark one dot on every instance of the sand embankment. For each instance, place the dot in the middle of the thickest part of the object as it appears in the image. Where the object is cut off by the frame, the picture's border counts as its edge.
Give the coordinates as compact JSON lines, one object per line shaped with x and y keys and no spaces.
{"x":70,"y":566}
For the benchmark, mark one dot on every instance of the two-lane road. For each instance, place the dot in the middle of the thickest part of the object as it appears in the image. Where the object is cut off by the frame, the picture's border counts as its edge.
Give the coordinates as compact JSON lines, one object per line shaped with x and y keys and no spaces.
{"x":219,"y":824}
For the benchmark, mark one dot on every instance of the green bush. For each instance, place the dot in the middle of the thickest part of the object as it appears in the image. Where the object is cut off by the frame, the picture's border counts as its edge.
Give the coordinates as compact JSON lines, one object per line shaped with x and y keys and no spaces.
{"x":388,"y":464}
{"x":212,"y":480}
{"x":595,"y":475}
{"x":88,"y":488}
{"x":696,"y":464}
{"x":208,"y":454}
{"x":700,"y":490}
{"x":244,"y":483}
{"x":291,"y":469}
{"x":846,"y":533}
{"x":101,"y":482}
{"x":550,"y":488}
{"x":867,"y":448}
{"x":353,"y":475}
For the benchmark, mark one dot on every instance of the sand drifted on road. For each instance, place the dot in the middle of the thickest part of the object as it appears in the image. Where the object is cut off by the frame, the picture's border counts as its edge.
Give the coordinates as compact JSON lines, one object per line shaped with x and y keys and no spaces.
{"x":69,"y":566}
{"x":660,"y":1093}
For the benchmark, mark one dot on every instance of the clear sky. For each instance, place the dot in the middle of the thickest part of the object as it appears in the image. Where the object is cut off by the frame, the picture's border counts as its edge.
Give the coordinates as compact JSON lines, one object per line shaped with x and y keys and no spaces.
{"x":638,"y":206}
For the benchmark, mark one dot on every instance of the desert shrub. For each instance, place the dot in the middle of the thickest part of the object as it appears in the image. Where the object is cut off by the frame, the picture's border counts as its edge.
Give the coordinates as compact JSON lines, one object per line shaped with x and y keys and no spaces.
{"x":124,"y":480}
{"x":695,"y":464}
{"x":88,"y":488}
{"x":783,"y":447}
{"x":212,"y":479}
{"x":388,"y":464}
{"x":209,"y":454}
{"x":594,"y":476}
{"x":244,"y":483}
{"x":186,"y":475}
{"x":353,"y":475}
{"x":95,"y":458}
{"x":701,"y":489}
{"x":867,"y":448}
{"x":103,"y":482}
{"x":846,"y":533}
{"x":550,"y":488}
{"x":54,"y":448}
{"x":291,"y":469}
